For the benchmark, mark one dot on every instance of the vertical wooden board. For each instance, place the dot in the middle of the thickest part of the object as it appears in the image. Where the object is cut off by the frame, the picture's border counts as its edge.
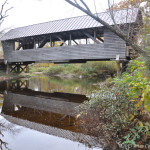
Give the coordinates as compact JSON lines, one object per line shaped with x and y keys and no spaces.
{"x":114,"y":42}
{"x":8,"y":47}
{"x":111,"y":38}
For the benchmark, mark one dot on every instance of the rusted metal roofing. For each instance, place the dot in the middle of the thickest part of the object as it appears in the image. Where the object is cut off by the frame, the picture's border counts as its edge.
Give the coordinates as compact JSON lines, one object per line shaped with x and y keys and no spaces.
{"x":70,"y":24}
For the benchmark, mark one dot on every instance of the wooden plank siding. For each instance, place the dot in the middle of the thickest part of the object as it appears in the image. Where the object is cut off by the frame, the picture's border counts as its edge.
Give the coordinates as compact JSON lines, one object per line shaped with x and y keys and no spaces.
{"x":108,"y":50}
{"x":8,"y":47}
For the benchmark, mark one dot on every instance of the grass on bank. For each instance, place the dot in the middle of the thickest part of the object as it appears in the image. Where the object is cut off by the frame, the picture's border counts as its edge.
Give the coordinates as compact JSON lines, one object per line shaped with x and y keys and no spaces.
{"x":87,"y":69}
{"x":4,"y":76}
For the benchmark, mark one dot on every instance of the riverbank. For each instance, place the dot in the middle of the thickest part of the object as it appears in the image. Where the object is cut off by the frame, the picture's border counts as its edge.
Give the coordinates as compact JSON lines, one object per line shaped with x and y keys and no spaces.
{"x":121,"y":109}
{"x":4,"y":76}
{"x":88,"y":70}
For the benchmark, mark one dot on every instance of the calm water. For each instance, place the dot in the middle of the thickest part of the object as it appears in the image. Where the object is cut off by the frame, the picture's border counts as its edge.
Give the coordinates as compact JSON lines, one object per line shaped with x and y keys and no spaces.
{"x":39,"y":114}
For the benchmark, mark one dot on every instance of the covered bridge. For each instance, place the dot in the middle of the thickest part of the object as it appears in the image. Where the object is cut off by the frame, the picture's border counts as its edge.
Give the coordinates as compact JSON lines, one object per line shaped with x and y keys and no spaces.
{"x":71,"y":40}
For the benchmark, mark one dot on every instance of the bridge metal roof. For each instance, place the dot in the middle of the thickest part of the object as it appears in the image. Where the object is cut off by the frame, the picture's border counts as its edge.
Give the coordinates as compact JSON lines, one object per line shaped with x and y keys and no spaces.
{"x":70,"y":24}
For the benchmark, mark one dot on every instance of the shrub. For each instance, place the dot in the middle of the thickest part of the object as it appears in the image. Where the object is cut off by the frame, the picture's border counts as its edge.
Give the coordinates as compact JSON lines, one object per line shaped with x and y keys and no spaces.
{"x":87,"y":69}
{"x":120,"y":112}
{"x":95,"y":68}
{"x":53,"y":70}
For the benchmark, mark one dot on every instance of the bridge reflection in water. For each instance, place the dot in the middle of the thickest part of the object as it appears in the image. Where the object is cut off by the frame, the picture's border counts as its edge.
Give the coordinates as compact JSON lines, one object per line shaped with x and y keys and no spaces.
{"x":51,"y":113}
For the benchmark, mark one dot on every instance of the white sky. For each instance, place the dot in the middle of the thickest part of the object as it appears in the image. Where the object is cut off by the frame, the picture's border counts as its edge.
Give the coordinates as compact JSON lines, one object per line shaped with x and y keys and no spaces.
{"x":26,"y":12}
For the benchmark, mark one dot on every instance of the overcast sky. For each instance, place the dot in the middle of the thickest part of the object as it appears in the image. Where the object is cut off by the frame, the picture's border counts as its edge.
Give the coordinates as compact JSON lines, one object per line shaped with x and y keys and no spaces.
{"x":26,"y":12}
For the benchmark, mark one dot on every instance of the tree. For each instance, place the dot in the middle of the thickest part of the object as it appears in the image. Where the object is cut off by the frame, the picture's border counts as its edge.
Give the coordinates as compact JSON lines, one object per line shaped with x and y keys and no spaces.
{"x":127,"y":4}
{"x":3,"y":15}
{"x":81,"y":4}
{"x":4,"y":12}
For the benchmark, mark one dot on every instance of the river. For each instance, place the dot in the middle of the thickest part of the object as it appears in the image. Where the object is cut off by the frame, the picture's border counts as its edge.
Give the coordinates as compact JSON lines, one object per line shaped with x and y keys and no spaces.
{"x":39,"y":114}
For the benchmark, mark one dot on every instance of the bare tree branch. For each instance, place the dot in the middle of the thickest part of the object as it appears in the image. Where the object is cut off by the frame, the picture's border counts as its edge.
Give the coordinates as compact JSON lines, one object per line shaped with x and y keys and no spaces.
{"x":120,"y":33}
{"x":95,"y":7}
{"x":3,"y":14}
{"x":112,"y":14}
{"x":82,"y":1}
{"x":3,"y":7}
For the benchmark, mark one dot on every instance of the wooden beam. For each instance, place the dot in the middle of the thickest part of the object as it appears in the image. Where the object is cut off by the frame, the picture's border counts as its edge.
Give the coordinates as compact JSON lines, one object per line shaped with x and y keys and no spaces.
{"x":62,"y":43}
{"x":43,"y":42}
{"x":118,"y":65}
{"x":22,"y":83}
{"x":51,"y":44}
{"x":27,"y":68}
{"x":22,"y":69}
{"x":100,"y":39}
{"x":34,"y":43}
{"x":91,"y":37}
{"x":20,"y":45}
{"x":18,"y":68}
{"x":94,"y":34}
{"x":7,"y":68}
{"x":13,"y":68}
{"x":118,"y":68}
{"x":61,"y":39}
{"x":127,"y":51}
{"x":69,"y":42}
{"x":75,"y":42}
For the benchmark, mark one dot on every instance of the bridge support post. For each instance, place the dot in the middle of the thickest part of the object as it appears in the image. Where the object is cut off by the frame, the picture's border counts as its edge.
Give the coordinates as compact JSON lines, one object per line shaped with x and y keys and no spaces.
{"x":17,"y":68}
{"x":7,"y":68}
{"x":27,"y":68}
{"x":121,"y":67}
{"x":118,"y":68}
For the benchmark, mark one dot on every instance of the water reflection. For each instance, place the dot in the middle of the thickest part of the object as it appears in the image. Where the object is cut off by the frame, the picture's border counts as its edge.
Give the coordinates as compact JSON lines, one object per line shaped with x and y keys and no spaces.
{"x":56,"y":84}
{"x":46,"y":105}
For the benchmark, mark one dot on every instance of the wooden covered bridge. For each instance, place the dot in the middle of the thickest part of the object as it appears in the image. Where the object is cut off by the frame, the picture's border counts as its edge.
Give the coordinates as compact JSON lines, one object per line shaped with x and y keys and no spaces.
{"x":71,"y":40}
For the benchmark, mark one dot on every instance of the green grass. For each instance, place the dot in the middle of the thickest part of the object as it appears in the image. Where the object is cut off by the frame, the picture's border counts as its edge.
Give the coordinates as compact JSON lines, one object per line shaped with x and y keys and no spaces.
{"x":37,"y":69}
{"x":96,"y":68}
{"x":87,"y":69}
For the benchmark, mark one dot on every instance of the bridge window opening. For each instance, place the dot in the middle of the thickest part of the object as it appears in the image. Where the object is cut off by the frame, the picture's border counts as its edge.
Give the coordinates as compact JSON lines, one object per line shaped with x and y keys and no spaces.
{"x":90,"y":36}
{"x":17,"y":107}
{"x":69,"y":42}
{"x":17,"y":45}
{"x":75,"y":42}
{"x":90,"y":41}
{"x":47,"y":45}
{"x":100,"y":39}
{"x":57,"y":43}
{"x":83,"y":37}
{"x":36,"y":45}
{"x":28,"y":46}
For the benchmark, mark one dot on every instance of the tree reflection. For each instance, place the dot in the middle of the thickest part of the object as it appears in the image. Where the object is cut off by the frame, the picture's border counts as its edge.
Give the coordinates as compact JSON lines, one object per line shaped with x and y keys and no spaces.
{"x":6,"y":126}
